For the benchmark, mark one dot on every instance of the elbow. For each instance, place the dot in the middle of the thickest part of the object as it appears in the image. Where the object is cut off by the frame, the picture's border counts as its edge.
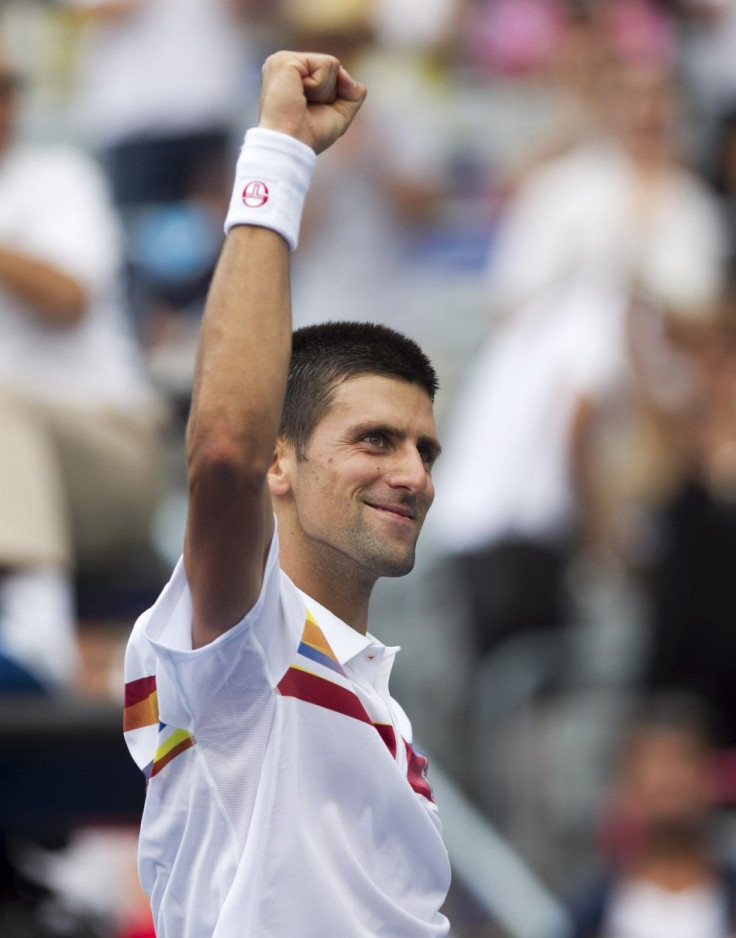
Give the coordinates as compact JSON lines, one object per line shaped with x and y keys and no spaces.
{"x":224,"y":461}
{"x":69,"y":304}
{"x":73,"y":307}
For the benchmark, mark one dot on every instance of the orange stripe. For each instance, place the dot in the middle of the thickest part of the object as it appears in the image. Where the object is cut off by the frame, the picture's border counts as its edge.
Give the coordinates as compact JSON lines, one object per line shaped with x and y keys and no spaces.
{"x":314,"y":636}
{"x":143,"y":713}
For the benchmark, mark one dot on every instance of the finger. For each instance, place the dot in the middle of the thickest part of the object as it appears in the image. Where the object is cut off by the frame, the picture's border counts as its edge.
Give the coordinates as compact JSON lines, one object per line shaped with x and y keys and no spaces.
{"x":320,"y":86}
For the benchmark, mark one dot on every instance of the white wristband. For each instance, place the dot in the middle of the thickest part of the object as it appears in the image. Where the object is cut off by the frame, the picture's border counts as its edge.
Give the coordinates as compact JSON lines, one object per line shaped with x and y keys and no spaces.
{"x":271,"y":181}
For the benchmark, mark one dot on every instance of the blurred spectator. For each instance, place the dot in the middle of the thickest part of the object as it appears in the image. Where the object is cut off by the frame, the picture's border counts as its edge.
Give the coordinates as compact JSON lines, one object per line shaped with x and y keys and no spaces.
{"x":515,"y":37}
{"x":506,"y":505}
{"x":415,"y":24}
{"x":159,"y":83}
{"x":585,"y":234}
{"x":621,"y":208}
{"x":693,"y":587}
{"x":372,"y":192}
{"x":662,"y":877}
{"x":79,"y":421}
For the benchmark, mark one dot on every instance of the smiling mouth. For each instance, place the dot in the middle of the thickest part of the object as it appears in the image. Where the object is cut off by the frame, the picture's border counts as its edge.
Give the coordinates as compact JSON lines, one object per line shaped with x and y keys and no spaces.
{"x":396,"y":511}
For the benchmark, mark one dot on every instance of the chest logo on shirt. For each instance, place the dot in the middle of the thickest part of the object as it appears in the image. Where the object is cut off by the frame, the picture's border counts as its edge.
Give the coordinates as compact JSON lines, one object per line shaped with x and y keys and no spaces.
{"x":317,"y":677}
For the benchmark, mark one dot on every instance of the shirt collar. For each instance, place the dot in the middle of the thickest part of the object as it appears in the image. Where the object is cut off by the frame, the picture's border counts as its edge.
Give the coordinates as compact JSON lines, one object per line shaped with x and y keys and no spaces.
{"x":345,"y":641}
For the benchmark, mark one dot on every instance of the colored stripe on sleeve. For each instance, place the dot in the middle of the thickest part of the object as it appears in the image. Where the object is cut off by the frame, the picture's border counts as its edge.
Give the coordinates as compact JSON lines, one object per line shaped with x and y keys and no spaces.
{"x":135,"y":691}
{"x":178,"y":742}
{"x":141,"y":704}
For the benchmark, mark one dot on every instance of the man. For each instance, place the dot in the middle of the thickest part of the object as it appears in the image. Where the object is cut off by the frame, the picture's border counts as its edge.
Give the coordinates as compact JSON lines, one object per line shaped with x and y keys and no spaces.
{"x":284,"y":796}
{"x":79,"y":420}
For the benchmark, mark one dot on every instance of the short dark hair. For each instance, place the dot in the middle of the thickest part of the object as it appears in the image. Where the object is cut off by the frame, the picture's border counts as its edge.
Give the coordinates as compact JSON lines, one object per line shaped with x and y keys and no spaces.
{"x":327,"y":354}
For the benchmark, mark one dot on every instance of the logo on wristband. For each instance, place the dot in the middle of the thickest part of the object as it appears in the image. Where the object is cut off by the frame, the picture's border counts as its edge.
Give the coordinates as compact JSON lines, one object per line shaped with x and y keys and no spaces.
{"x":255,"y":194}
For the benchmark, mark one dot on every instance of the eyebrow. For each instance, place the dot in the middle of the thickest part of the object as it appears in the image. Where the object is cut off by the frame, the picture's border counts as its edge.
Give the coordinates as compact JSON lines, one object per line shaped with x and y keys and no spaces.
{"x":430,"y":443}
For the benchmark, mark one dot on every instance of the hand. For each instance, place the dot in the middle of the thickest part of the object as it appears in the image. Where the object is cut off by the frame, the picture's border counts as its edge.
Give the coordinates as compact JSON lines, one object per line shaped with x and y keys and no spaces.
{"x":308,"y":96}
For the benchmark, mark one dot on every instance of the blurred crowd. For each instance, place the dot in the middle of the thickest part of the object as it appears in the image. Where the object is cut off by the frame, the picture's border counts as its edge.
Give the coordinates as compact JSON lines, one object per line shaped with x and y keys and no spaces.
{"x":543,"y":194}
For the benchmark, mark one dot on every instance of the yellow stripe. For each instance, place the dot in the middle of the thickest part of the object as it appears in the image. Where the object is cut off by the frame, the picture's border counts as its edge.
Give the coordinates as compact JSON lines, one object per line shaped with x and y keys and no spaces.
{"x":178,"y":736}
{"x":314,"y":637}
{"x":298,"y":667}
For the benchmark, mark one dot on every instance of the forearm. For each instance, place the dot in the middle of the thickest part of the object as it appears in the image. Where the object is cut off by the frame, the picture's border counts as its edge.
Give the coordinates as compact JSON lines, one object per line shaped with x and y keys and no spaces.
{"x":244,"y":353}
{"x":52,"y":295}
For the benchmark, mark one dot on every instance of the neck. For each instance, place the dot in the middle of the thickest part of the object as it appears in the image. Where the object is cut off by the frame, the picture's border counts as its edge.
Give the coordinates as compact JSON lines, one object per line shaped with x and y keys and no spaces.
{"x":674,"y":856}
{"x":331,"y":580}
{"x":674,"y":873}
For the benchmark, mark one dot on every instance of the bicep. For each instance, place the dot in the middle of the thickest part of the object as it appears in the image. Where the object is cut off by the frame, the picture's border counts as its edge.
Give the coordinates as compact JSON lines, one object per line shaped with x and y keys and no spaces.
{"x":229,"y":531}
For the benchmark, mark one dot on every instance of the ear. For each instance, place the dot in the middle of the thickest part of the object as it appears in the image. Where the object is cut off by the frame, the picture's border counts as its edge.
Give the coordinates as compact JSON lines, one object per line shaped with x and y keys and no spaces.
{"x":279,"y":474}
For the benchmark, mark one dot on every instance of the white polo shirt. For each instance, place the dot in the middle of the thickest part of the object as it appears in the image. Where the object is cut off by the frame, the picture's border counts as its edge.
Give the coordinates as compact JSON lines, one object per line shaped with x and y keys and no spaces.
{"x":284,"y":795}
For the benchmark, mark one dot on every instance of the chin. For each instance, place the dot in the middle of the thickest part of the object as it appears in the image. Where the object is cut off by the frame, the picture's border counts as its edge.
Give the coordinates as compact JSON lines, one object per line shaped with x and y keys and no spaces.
{"x":382,"y":556}
{"x":396,"y":566}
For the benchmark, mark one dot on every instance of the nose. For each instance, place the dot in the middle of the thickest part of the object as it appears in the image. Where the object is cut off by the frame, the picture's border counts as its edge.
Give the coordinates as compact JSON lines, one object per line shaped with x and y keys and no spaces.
{"x":408,"y":471}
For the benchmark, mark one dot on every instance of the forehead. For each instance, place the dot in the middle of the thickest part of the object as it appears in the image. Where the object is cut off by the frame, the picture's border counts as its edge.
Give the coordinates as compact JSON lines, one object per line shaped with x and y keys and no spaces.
{"x":381,"y":399}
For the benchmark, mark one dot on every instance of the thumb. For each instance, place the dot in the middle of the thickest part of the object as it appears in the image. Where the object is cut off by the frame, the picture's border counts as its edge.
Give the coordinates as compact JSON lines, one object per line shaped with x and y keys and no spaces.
{"x":348,"y":89}
{"x":350,"y":96}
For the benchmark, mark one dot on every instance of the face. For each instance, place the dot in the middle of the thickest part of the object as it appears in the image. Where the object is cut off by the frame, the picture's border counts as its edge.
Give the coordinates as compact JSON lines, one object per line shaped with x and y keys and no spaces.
{"x":642,"y":108}
{"x":667,"y":776}
{"x":360,"y":495}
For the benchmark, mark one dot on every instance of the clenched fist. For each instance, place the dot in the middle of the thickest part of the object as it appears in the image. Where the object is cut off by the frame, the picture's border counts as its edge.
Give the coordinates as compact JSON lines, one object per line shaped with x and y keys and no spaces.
{"x":308,"y":96}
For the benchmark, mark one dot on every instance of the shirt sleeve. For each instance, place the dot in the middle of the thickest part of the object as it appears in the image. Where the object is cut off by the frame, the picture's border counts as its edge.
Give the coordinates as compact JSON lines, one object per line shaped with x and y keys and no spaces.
{"x":250,"y":657}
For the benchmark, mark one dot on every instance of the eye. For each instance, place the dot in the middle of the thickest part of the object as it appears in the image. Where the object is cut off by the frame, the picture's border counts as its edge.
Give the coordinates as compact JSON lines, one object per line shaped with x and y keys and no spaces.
{"x":374,"y":439}
{"x":427,"y":455}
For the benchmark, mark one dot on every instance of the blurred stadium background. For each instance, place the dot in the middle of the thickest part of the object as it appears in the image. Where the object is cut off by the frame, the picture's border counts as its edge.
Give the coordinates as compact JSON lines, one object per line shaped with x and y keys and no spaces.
{"x":543,"y":194}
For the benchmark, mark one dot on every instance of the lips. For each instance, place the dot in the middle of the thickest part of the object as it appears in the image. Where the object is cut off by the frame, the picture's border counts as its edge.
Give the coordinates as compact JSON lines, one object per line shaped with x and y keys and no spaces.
{"x":401,"y":511}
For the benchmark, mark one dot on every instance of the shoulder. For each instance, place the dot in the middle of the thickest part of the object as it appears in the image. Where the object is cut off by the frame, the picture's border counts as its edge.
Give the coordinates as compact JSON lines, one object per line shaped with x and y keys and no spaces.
{"x":274,"y":624}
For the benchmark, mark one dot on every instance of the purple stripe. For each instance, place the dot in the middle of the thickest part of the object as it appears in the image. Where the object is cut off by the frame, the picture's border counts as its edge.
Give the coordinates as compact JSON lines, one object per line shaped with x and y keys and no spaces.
{"x":320,"y":657}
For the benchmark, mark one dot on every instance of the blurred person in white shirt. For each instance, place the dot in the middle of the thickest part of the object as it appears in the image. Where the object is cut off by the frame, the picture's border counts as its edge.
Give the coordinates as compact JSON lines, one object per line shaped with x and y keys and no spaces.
{"x":613,"y":218}
{"x":79,"y":474}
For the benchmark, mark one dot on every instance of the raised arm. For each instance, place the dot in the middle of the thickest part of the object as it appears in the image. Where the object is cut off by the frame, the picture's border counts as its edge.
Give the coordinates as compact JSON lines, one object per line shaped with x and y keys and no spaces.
{"x":243,"y":361}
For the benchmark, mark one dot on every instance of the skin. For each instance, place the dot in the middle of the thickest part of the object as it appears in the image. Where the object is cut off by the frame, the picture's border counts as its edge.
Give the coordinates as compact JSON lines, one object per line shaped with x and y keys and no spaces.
{"x":53,"y":296}
{"x":665,"y":784}
{"x":352,"y":509}
{"x":236,"y":410}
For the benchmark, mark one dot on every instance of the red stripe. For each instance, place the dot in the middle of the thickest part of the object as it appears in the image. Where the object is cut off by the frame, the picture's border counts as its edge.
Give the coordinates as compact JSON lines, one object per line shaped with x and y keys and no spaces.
{"x":386,"y":732}
{"x":416,"y":773}
{"x":135,"y":691}
{"x":171,"y":754}
{"x":316,"y":690}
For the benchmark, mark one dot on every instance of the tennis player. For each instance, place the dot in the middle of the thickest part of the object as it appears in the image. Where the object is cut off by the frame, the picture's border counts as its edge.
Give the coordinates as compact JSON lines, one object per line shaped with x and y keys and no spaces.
{"x":285,"y":798}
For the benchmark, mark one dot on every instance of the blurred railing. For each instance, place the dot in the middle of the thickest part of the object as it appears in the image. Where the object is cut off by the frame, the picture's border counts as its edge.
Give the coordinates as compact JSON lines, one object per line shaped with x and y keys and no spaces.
{"x":499,"y":880}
